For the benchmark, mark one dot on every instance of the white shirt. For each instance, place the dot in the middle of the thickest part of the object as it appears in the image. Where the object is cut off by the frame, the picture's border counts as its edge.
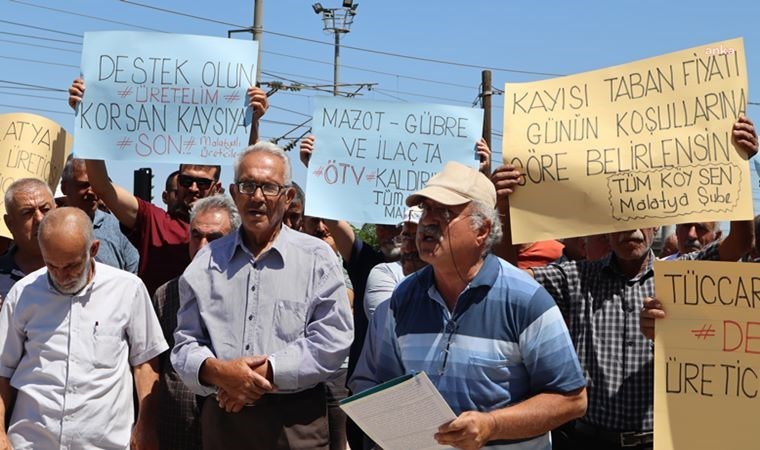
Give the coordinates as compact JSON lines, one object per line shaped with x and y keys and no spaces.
{"x":382,"y":280}
{"x":69,"y":358}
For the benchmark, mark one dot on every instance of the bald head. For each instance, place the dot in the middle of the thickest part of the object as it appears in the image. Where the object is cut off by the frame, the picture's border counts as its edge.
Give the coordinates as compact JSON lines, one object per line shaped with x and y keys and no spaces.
{"x":67,"y":227}
{"x":68,"y":248}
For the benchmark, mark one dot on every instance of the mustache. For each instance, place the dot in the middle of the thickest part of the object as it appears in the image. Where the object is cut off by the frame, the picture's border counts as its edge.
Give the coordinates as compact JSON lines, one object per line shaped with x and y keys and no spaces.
{"x":636,"y":234}
{"x":430,"y":230}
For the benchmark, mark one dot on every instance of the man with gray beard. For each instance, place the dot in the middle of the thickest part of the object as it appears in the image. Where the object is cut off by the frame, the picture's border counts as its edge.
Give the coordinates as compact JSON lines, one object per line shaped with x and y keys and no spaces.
{"x":72,"y":337}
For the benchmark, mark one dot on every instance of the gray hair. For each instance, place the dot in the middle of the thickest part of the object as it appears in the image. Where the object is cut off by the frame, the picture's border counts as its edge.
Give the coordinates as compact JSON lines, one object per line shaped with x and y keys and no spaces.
{"x":481,"y":213}
{"x":25,"y":185}
{"x":269,"y":148}
{"x":300,"y":197}
{"x":68,"y":168}
{"x":217,"y":202}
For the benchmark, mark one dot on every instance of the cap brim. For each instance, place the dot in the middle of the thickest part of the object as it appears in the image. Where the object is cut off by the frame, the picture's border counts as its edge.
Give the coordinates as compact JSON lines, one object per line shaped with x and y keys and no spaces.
{"x":441,"y":195}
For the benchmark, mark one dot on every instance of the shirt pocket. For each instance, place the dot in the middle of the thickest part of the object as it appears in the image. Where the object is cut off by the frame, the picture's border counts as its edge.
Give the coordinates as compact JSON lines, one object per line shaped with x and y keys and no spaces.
{"x":487,"y":381}
{"x":107,"y":345}
{"x":289,"y":320}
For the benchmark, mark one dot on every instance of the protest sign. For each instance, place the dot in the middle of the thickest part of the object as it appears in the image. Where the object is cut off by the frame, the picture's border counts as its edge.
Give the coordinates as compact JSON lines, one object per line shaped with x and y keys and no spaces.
{"x":637,"y":145}
{"x":369,"y":155}
{"x":32,"y":147}
{"x":707,"y":355}
{"x":160,"y":97}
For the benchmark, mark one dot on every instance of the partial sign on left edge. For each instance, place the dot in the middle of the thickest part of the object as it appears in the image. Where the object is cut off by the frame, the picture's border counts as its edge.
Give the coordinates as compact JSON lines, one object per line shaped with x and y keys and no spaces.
{"x":159,"y":97}
{"x":32,"y":147}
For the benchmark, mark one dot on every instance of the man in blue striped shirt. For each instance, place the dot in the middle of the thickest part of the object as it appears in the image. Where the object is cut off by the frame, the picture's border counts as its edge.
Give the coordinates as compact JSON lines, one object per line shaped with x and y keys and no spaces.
{"x":489,"y":337}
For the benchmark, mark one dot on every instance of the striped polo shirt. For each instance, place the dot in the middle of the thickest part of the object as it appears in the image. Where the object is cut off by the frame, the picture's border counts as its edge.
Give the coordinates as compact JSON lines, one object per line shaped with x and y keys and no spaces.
{"x":505,"y":341}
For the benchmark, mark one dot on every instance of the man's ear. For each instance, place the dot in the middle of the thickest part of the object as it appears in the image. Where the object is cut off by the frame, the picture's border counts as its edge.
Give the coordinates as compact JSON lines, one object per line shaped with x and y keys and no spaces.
{"x":484,"y":232}
{"x":718,"y":234}
{"x":290,"y":194}
{"x":94,"y":247}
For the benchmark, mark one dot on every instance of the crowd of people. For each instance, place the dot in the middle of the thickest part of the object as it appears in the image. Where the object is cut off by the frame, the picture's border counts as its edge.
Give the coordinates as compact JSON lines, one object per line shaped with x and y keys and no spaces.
{"x":236,"y":322}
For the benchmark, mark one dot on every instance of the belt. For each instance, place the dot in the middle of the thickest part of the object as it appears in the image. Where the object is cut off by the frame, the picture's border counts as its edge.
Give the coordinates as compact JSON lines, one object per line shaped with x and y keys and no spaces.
{"x":620,"y":438}
{"x":271,"y":399}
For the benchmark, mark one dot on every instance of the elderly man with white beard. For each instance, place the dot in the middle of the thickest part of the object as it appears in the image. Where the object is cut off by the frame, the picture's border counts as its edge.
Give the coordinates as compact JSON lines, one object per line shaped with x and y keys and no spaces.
{"x":72,"y":335}
{"x":601,"y":301}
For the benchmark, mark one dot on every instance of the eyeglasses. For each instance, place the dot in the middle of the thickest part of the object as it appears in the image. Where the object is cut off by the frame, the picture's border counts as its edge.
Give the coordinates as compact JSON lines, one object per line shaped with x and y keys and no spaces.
{"x":268,"y":189}
{"x":443,"y":213}
{"x":186,"y":181}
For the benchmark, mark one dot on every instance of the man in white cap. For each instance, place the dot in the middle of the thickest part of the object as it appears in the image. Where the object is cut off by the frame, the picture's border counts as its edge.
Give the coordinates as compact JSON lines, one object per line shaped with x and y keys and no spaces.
{"x":489,"y":337}
{"x":384,"y":277}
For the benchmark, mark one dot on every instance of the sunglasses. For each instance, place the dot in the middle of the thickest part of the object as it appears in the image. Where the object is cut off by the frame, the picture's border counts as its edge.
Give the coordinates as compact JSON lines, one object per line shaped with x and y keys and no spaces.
{"x":186,"y":181}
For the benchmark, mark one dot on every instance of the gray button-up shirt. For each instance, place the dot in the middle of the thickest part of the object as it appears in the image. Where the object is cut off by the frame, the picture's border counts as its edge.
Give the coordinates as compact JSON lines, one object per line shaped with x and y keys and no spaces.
{"x":289,"y":303}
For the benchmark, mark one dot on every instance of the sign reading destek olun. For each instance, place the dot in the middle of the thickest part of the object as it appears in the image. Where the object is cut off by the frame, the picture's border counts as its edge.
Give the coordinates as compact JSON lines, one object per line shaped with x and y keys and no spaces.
{"x":641,"y":144}
{"x":707,"y":355}
{"x":31,"y":147}
{"x":160,"y":97}
{"x":369,"y":156}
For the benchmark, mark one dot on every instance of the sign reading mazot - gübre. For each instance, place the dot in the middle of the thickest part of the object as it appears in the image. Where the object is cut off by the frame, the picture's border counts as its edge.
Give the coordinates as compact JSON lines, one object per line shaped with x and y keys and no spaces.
{"x":370,"y":155}
{"x":160,"y":97}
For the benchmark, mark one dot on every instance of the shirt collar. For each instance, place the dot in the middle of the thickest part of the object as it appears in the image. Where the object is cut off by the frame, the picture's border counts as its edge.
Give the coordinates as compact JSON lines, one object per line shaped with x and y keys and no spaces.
{"x":82,"y":292}
{"x":278,"y":247}
{"x":609,"y":263}
{"x":97,"y":220}
{"x":486,"y":276}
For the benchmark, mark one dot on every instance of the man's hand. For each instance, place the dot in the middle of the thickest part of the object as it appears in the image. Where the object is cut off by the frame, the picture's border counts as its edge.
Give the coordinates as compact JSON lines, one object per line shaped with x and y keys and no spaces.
{"x":651,"y":311}
{"x":744,"y":136}
{"x":144,"y":437}
{"x":505,"y":179}
{"x":307,"y":147}
{"x":258,"y":101}
{"x":76,"y":91}
{"x":484,"y":153}
{"x":471,"y":430}
{"x":239,"y":380}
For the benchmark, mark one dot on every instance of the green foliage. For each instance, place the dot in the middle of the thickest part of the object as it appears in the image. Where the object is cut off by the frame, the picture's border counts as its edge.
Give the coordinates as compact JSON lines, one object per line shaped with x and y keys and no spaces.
{"x":367,"y":234}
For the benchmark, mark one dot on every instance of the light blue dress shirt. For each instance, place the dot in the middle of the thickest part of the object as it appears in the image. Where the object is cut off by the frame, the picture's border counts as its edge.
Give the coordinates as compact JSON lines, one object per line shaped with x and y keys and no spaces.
{"x":289,"y":303}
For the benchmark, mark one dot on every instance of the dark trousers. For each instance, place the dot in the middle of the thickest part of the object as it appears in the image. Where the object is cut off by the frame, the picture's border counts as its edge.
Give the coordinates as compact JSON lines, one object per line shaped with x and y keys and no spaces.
{"x":573,"y":436}
{"x":336,"y":391}
{"x":276,"y":422}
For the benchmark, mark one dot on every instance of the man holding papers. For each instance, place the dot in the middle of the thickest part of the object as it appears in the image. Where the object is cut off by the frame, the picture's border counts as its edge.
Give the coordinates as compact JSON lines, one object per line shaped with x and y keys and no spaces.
{"x":490,"y":338}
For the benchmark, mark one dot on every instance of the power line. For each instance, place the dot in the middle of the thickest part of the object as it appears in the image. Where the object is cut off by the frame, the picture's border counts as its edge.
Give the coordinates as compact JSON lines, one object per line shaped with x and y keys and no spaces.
{"x":40,"y":28}
{"x":289,"y":110}
{"x":380,"y":72}
{"x":39,"y":37}
{"x":34,"y":86}
{"x":391,"y":96}
{"x":26,"y":108}
{"x":422,"y":95}
{"x":29,"y":95}
{"x":38,"y":45}
{"x":37,"y":61}
{"x":62,"y":11}
{"x":316,"y":41}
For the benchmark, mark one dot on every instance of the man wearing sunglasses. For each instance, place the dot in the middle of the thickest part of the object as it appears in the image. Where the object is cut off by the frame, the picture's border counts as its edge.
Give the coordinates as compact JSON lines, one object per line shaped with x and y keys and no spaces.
{"x":161,"y":237}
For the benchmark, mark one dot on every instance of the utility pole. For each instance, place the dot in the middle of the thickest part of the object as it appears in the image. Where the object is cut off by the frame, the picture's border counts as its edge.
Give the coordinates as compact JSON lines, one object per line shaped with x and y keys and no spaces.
{"x":485,"y":100}
{"x":337,"y":21}
{"x":256,"y":30}
{"x":258,"y":27}
{"x":503,"y":249}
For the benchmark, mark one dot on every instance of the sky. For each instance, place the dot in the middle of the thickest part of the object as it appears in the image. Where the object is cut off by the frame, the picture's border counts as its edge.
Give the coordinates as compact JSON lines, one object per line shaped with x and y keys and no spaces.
{"x":408,"y":51}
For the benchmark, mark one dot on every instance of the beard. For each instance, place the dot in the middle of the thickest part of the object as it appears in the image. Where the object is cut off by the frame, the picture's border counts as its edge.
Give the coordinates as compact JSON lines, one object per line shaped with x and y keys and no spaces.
{"x":76,"y":285}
